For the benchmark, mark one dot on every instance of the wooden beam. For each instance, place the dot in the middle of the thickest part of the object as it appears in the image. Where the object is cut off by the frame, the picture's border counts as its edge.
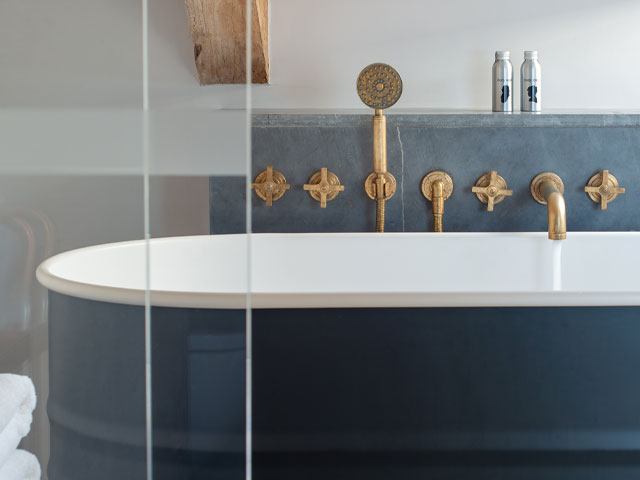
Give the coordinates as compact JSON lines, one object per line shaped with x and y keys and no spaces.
{"x":218,"y":30}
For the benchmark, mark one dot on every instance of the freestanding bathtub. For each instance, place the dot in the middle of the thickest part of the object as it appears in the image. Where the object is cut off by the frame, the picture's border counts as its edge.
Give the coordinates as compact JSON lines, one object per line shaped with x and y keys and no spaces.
{"x":332,"y":373}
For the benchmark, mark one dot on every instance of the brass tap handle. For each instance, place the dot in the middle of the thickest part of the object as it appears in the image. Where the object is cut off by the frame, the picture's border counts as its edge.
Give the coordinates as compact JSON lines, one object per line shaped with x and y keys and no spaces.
{"x":437,"y":186}
{"x":270,"y":185}
{"x":491,"y":189}
{"x":603,"y":188}
{"x":324,"y":186}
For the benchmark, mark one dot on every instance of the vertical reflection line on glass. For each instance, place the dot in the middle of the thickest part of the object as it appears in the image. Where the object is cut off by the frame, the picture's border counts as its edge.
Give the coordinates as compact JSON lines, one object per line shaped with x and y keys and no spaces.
{"x":248,"y":228}
{"x":147,"y":266}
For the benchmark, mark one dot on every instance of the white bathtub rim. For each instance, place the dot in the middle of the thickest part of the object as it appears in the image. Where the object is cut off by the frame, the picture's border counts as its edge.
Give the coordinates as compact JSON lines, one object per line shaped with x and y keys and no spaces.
{"x":241,"y":300}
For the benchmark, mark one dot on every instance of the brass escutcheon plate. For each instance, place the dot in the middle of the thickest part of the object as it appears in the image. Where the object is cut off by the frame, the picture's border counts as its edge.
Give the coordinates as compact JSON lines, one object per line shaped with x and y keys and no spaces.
{"x":603,"y":188}
{"x":541,"y":179}
{"x":324,"y":186}
{"x":432,"y":177}
{"x":379,"y":85}
{"x":389,"y":186}
{"x":491,"y":186}
{"x":270,"y":185}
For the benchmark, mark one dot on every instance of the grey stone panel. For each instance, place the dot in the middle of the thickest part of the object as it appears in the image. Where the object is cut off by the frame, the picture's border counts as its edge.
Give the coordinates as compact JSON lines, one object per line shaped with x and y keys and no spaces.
{"x":575,"y":153}
{"x":462,"y":118}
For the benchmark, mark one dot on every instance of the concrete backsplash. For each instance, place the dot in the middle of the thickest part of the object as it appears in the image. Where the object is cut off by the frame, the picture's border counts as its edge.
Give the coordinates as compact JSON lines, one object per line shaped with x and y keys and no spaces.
{"x":465,"y":146}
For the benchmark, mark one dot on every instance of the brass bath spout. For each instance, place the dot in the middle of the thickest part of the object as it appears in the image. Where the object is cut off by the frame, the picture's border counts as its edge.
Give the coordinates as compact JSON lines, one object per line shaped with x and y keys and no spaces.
{"x":547,"y":189}
{"x":437,"y":199}
{"x":437,"y":187}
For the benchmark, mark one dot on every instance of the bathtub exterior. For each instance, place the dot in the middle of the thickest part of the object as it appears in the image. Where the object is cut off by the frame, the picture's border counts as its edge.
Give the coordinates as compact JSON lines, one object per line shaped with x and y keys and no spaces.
{"x":408,"y":392}
{"x":97,"y":395}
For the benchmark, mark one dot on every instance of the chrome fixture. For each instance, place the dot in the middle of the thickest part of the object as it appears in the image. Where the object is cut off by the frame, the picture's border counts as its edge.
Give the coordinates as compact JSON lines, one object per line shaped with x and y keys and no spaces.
{"x":324,"y":186}
{"x":603,"y":188}
{"x":437,"y":186}
{"x":270,"y":185}
{"x":547,"y":188}
{"x":491,"y":189}
{"x":379,"y":86}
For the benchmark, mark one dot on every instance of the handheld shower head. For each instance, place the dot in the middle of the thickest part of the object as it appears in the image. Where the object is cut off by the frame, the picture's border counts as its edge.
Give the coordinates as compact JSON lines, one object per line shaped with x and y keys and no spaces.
{"x":379,"y":86}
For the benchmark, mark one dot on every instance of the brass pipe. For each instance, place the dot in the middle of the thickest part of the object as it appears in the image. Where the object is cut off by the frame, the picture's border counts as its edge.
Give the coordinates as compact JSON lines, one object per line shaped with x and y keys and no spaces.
{"x":380,"y":164}
{"x":437,"y":200}
{"x":380,"y":207}
{"x":436,"y":187}
{"x":556,"y":211}
{"x":380,"y":203}
{"x":380,"y":184}
{"x":379,"y":142}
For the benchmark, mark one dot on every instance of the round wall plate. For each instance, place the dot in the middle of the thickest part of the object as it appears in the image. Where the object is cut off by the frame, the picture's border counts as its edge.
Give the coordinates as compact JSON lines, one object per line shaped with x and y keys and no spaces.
{"x":541,"y":179}
{"x":389,"y":186}
{"x":433,"y":177}
{"x":611,"y":188}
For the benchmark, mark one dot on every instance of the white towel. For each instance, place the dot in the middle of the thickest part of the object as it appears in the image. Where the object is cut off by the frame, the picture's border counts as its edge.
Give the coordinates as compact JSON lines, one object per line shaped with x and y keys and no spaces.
{"x":17,"y":395}
{"x":21,"y":465}
{"x":17,"y":402}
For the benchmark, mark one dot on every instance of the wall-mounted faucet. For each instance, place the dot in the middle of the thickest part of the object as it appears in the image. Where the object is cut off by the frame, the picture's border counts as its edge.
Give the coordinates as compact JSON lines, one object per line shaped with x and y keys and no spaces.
{"x":437,"y":186}
{"x":379,"y":87}
{"x":547,"y":189}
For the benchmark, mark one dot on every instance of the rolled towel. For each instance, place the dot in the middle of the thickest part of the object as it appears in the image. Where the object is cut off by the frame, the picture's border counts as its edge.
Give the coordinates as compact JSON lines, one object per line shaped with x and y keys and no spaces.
{"x":11,"y":436}
{"x":17,"y":396}
{"x":17,"y":402}
{"x":21,"y":465}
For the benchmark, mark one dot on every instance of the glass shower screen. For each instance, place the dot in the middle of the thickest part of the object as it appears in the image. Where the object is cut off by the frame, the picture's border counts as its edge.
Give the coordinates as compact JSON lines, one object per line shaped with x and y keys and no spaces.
{"x":197,"y":117}
{"x":109,"y":141}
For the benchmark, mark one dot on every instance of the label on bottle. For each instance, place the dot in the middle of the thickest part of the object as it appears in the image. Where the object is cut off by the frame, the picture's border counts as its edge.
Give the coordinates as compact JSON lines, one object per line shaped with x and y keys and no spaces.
{"x":504,"y":88}
{"x":531,"y":87}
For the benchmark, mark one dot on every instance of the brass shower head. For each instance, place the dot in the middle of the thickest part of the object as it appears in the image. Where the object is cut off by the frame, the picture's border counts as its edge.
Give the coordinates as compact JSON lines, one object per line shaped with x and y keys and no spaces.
{"x":379,"y":86}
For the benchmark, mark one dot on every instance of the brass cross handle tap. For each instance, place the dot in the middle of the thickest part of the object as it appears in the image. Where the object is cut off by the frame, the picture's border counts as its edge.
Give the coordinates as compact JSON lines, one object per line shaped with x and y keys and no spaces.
{"x":603,"y":188}
{"x":270,"y":185}
{"x":324,"y":186}
{"x":491,"y":189}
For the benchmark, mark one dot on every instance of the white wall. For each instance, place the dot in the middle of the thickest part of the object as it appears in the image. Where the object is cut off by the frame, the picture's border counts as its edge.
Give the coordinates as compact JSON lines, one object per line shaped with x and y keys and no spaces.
{"x":73,"y":53}
{"x":442,"y":49}
{"x":70,"y":53}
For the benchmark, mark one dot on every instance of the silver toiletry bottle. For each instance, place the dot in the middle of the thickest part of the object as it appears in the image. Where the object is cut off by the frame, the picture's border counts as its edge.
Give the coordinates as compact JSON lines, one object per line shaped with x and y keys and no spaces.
{"x":502,"y":83}
{"x":531,"y":83}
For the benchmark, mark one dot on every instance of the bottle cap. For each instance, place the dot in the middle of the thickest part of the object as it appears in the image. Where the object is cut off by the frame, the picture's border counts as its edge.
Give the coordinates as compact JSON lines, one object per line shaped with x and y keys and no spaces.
{"x":530,"y":54}
{"x":502,"y":55}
